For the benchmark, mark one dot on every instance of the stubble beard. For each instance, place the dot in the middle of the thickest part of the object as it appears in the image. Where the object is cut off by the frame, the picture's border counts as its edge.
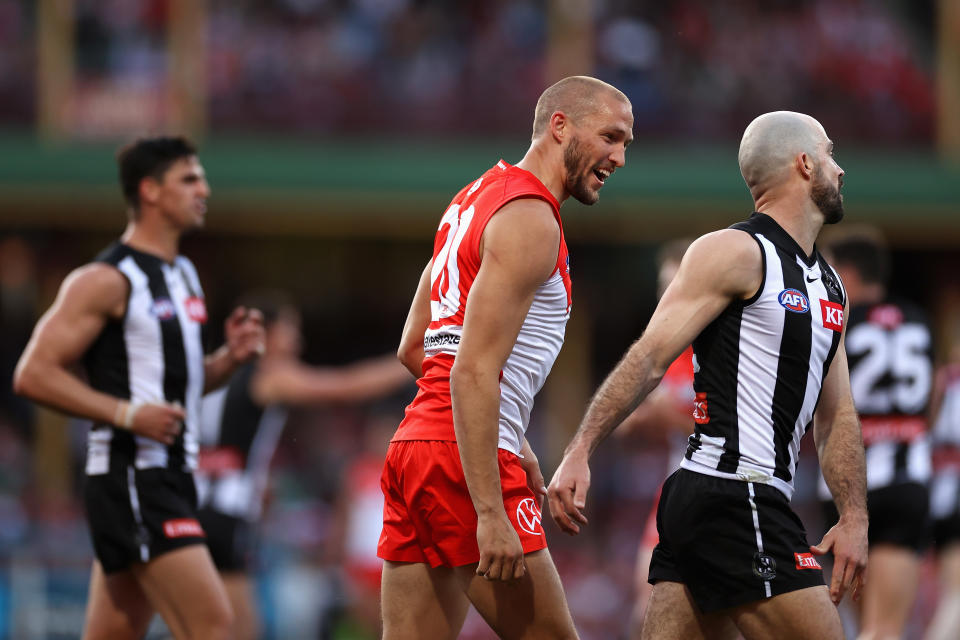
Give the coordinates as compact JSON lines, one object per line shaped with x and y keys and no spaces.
{"x":827,"y":198}
{"x":575,"y":164}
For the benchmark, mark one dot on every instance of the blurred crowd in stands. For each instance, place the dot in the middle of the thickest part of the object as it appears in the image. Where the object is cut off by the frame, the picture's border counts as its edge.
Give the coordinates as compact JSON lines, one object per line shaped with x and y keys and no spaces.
{"x":694,"y":69}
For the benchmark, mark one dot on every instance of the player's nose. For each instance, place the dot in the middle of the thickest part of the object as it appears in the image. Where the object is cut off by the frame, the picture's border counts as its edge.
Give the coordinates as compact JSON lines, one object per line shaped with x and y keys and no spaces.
{"x":619,"y":156}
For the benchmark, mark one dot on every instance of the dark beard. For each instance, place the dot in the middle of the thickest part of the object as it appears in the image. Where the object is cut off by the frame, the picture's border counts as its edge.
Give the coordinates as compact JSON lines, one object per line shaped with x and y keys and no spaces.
{"x":577,"y":174}
{"x":827,"y":198}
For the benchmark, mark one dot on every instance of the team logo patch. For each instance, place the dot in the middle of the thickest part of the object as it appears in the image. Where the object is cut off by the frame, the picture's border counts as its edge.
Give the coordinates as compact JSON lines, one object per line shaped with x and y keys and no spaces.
{"x":163,"y":308}
{"x":793,"y":300}
{"x":832,"y":315}
{"x":529,"y":516}
{"x":764,"y":566}
{"x":196,"y":309}
{"x":806,"y":561}
{"x":183,"y":528}
{"x":700,"y":413}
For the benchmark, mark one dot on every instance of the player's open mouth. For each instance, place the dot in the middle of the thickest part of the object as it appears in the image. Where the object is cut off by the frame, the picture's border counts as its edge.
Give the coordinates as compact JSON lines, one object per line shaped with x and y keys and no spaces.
{"x":602,"y":174}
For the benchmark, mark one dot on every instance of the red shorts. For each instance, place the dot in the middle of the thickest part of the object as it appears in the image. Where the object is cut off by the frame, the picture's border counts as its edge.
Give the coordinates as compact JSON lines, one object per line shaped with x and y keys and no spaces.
{"x":428,"y":515}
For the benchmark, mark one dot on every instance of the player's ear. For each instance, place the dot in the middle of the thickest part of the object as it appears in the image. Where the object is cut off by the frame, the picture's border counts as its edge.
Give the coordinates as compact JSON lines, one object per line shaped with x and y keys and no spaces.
{"x":149,"y":190}
{"x":558,"y":125}
{"x":804,"y":164}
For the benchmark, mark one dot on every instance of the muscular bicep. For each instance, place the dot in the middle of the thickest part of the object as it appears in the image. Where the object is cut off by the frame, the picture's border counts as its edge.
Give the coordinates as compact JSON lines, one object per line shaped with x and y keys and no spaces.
{"x":716,"y":270}
{"x":520,"y":249}
{"x":88,"y":298}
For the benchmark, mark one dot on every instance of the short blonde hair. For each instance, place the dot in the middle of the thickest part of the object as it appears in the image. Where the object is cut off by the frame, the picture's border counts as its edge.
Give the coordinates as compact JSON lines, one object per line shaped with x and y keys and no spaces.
{"x":576,"y":96}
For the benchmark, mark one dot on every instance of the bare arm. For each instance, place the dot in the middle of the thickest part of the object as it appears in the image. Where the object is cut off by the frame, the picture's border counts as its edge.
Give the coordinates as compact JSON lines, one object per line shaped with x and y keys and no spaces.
{"x":294,"y":383}
{"x":90,"y":297}
{"x":519,"y":252}
{"x":660,"y":411}
{"x":717,"y":269}
{"x":836,"y":431}
{"x":244,"y":340}
{"x":410,"y":352}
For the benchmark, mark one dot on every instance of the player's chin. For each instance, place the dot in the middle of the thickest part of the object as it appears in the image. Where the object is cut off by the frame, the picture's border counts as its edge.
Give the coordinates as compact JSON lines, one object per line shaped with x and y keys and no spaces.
{"x":587,"y":196}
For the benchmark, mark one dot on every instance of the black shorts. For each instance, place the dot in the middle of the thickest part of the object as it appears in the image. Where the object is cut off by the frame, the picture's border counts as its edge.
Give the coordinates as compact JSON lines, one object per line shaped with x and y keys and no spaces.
{"x":730,"y":542}
{"x":898,"y":515}
{"x":136,"y":515}
{"x":229,"y":539}
{"x":945,"y":509}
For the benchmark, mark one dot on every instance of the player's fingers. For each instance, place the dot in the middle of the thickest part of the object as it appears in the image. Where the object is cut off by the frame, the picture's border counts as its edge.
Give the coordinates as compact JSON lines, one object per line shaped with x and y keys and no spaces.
{"x":823,"y":547}
{"x":496,"y":566}
{"x":507,"y":569}
{"x":850,"y":575}
{"x":176,"y":412}
{"x":556,"y":510}
{"x":564,"y":510}
{"x":519,"y":569}
{"x":484,"y":565}
{"x":541,"y":494}
{"x":535,"y":481}
{"x":255,"y":316}
{"x":838,"y":579}
{"x":580,"y":500}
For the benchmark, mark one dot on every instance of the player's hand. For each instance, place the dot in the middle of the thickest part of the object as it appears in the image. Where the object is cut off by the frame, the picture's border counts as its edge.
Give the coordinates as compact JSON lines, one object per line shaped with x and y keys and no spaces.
{"x":245,"y":334}
{"x":848,"y":541}
{"x":158,"y":421}
{"x":501,"y":554}
{"x":531,"y":466}
{"x":568,"y":492}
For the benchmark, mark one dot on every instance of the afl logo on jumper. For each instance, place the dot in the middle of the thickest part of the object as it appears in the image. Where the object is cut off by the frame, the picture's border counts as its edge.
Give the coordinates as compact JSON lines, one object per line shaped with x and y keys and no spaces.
{"x":163,"y":308}
{"x":529,"y":516}
{"x":793,"y":300}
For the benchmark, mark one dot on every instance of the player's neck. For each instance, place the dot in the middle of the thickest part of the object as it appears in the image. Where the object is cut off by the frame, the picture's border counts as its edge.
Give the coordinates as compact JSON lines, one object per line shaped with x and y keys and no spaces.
{"x":153,"y":238}
{"x":538,"y":162}
{"x":796,"y":214}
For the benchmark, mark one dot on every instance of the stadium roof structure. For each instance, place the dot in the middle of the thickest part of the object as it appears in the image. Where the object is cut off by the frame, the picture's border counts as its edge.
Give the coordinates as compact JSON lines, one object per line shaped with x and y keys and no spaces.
{"x":400,"y":188}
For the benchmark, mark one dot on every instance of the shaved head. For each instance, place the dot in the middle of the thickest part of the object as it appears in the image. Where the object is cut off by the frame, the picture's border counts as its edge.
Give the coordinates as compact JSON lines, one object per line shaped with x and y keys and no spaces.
{"x":771,"y":143}
{"x":577,"y":97}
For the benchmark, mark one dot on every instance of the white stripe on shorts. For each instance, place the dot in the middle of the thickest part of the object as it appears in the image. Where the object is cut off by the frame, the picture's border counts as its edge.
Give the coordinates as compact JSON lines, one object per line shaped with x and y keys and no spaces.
{"x":756,"y":527}
{"x":135,"y":505}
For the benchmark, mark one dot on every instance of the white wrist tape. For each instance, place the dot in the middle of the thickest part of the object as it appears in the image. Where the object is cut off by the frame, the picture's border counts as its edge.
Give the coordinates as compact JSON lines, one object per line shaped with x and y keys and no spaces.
{"x":126,"y":411}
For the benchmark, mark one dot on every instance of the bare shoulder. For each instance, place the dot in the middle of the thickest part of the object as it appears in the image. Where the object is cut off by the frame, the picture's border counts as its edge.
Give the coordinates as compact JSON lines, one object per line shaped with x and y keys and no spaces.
{"x":732,"y":243}
{"x":525,"y":235}
{"x":728,"y":259}
{"x":528,"y":215}
{"x":95,"y":287}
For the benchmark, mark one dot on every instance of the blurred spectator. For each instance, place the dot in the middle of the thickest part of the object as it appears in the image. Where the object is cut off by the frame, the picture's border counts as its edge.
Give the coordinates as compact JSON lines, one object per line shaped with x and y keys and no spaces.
{"x":693,"y":69}
{"x":18,"y":309}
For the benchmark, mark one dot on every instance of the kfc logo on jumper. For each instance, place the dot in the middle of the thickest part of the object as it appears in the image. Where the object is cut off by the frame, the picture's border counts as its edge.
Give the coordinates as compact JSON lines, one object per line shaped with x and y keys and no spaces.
{"x":793,"y":300}
{"x":196,"y":309}
{"x":529,"y":516}
{"x":806,"y":561}
{"x":832,"y":315}
{"x":183,"y":528}
{"x":700,"y":414}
